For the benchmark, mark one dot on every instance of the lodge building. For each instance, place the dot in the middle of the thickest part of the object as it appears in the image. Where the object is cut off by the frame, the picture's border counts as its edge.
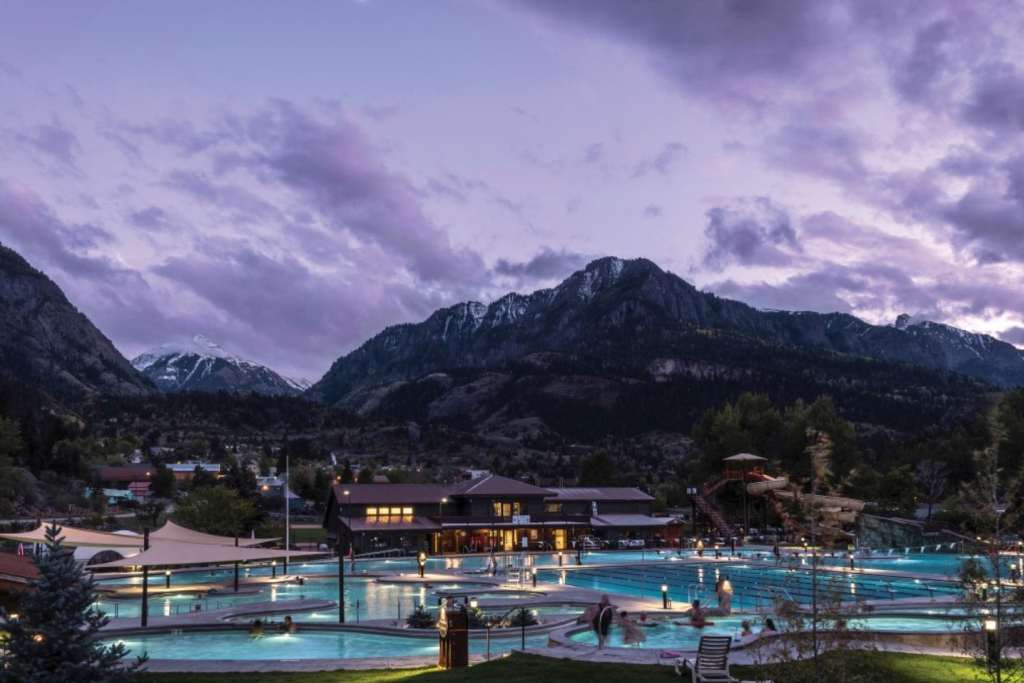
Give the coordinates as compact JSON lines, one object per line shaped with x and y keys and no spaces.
{"x":490,"y":512}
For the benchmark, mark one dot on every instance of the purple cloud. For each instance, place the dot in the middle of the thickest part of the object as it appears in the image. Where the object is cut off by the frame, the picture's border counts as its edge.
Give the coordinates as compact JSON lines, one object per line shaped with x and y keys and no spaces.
{"x":997,"y":100}
{"x":750,"y":232}
{"x":55,"y":141}
{"x":662,"y":162}
{"x":548,"y":264}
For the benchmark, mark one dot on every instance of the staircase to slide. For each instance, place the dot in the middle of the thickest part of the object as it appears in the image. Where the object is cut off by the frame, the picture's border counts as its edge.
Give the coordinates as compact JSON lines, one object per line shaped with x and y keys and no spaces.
{"x":712,"y":512}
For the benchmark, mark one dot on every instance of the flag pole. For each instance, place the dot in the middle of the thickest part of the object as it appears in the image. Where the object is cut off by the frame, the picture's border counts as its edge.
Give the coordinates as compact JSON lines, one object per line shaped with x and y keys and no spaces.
{"x":287,"y":512}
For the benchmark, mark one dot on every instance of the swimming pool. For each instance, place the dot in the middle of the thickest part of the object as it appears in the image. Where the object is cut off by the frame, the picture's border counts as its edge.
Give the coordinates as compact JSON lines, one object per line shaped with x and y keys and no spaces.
{"x":754,"y":586}
{"x":303,"y":645}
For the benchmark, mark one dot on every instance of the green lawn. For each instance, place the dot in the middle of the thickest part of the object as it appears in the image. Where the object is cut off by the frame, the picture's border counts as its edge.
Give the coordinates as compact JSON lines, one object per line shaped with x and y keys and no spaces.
{"x":881,"y":667}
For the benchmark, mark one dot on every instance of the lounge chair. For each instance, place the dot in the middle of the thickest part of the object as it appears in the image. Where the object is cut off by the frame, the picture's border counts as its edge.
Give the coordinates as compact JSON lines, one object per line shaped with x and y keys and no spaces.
{"x":712,"y":664}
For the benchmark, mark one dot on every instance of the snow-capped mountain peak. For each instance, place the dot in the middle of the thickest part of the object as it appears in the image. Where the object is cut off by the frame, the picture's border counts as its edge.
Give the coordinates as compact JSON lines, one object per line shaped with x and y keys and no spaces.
{"x":200,"y":364}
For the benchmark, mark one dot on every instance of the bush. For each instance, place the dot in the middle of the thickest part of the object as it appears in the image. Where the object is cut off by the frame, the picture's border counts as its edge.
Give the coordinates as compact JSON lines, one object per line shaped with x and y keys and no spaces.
{"x":520,"y":617}
{"x":420,"y":618}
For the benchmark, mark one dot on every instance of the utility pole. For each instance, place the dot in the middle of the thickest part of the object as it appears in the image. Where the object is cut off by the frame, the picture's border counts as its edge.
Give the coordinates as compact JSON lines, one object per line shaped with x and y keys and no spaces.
{"x":287,"y":513}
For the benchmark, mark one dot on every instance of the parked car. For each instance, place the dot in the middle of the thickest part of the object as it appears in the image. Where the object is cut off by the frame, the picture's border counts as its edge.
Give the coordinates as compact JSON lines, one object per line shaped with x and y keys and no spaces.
{"x":636,"y":543}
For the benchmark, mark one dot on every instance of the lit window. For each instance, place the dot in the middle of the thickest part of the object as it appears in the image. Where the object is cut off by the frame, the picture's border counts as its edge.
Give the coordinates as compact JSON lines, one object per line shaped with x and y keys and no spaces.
{"x":396,"y":511}
{"x":553,"y":507}
{"x":407,"y":511}
{"x":371,"y":512}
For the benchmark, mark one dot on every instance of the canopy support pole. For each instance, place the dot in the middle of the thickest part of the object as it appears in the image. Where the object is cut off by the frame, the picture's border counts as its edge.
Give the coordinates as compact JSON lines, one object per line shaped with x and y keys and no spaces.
{"x":145,"y":596}
{"x":236,"y":577}
{"x":341,"y":577}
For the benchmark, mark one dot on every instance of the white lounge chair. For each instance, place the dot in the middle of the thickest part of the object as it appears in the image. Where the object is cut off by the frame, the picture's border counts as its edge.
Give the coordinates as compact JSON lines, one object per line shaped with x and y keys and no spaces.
{"x":712,"y":664}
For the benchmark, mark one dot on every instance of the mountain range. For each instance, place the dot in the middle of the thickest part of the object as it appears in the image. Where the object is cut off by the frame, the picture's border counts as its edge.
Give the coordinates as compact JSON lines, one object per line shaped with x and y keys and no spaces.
{"x":608,"y":334}
{"x":199,"y":364}
{"x":618,"y":342}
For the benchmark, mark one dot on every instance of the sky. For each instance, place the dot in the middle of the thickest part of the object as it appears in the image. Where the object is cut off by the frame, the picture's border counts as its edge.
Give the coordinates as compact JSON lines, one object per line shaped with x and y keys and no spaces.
{"x":290,"y":178}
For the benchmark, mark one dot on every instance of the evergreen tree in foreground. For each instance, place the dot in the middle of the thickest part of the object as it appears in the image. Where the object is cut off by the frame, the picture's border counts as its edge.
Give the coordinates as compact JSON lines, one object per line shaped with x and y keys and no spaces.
{"x":52,"y":639}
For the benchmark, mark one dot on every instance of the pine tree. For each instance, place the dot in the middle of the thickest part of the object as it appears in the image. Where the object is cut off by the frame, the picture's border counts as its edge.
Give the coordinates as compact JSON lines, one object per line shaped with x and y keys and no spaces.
{"x":53,"y":637}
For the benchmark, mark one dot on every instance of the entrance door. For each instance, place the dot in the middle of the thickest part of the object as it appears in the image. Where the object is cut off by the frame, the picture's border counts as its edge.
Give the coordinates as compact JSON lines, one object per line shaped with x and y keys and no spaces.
{"x":559,"y":539}
{"x":508,"y":539}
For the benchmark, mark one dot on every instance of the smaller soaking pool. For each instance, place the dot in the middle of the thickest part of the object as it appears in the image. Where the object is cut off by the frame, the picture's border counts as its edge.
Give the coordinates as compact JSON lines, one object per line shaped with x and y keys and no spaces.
{"x":238,"y":645}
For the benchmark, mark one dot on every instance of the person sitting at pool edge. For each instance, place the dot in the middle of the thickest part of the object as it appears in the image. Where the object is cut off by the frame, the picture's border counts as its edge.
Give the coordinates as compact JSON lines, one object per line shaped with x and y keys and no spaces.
{"x":256,"y":630}
{"x":745,"y":631}
{"x":769,"y":626}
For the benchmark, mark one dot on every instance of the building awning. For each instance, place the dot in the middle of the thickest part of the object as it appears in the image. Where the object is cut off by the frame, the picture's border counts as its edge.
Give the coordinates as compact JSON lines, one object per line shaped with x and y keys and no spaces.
{"x":384,"y":524}
{"x":176,"y":554}
{"x":74,"y":537}
{"x":174,"y":532}
{"x":629,"y":521}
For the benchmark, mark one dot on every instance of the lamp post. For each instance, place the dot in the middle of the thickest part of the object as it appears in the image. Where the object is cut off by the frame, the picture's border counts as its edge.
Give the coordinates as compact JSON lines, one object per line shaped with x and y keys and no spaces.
{"x":560,"y":558}
{"x":440,"y":535}
{"x":994,"y":641}
{"x":421,"y":559}
{"x":167,"y":578}
{"x":664,"y":596}
{"x":287,"y":512}
{"x":534,"y":573}
{"x":341,"y":557}
{"x":691,"y":491}
{"x":273,"y":569}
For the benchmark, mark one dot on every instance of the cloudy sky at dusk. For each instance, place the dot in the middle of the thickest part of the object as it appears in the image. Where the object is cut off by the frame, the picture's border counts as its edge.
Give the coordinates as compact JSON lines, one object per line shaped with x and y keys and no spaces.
{"x":289,"y":178}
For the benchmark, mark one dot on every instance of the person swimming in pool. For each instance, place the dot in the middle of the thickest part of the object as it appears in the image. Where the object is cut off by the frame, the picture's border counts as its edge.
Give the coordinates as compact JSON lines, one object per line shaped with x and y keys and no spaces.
{"x":698,"y":617}
{"x":288,"y":626}
{"x":256,"y":629}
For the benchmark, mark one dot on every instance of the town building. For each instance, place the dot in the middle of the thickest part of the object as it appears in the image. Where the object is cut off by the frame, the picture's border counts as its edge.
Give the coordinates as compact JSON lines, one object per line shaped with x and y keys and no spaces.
{"x":489,"y":512}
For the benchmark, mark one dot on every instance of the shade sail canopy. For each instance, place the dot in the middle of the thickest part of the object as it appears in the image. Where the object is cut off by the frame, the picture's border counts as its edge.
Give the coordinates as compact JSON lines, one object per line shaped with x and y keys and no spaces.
{"x":173,"y":532}
{"x":74,"y":537}
{"x":177,"y":554}
{"x":745,"y":457}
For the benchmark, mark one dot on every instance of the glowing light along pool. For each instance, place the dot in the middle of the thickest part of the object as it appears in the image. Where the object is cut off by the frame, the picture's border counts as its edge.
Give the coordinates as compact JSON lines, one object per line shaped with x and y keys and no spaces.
{"x":754,"y":586}
{"x":670,"y":636}
{"x":302,"y":645}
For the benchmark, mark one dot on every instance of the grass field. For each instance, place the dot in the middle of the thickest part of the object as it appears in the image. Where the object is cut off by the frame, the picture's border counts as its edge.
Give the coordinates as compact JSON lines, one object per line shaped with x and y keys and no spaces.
{"x":881,"y":667}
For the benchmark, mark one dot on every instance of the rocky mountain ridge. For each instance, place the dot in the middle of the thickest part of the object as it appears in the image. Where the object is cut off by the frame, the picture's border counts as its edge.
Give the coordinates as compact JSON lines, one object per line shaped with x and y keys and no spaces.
{"x":199,"y":364}
{"x":49,"y":346}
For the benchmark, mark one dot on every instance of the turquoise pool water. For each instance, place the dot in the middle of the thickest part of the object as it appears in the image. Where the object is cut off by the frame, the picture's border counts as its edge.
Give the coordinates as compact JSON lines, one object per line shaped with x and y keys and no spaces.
{"x":405,"y":564}
{"x":754,"y":585}
{"x":302,"y":645}
{"x":371,"y":599}
{"x":668,"y":635}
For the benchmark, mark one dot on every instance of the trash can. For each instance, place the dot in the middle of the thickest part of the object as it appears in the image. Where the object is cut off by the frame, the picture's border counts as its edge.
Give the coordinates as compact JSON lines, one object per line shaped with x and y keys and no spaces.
{"x":453,"y":638}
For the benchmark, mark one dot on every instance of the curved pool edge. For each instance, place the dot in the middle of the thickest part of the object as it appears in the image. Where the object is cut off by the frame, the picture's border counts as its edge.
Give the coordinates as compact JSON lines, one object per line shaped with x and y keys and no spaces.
{"x":295,"y":665}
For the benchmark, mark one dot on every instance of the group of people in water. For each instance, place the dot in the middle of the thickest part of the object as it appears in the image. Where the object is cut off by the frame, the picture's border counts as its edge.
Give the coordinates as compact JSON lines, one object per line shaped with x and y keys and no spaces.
{"x":603,"y":616}
{"x":258,"y":628}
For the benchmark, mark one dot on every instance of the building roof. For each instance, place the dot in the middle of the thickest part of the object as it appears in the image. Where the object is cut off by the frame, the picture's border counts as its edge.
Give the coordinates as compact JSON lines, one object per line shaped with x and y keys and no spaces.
{"x":629,"y":521}
{"x":494,"y":485}
{"x":600,"y":493}
{"x":173,"y":532}
{"x":175,"y":554}
{"x":126,"y":472}
{"x":396,"y":494}
{"x":18,"y":569}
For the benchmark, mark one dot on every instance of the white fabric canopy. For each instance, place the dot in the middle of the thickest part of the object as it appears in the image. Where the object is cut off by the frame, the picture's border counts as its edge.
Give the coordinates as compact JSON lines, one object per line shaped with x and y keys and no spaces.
{"x":174,"y":532}
{"x":176,"y":554}
{"x":74,"y":537}
{"x":744,"y":457}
